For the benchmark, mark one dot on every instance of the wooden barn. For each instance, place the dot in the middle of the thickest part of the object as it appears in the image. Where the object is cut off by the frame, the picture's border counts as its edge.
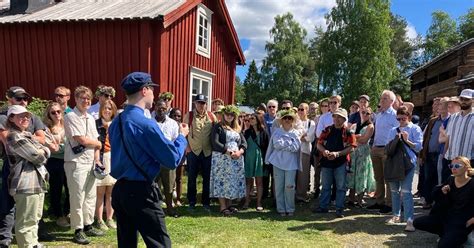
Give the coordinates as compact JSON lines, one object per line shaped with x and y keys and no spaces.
{"x":188,"y":46}
{"x":446,"y":75}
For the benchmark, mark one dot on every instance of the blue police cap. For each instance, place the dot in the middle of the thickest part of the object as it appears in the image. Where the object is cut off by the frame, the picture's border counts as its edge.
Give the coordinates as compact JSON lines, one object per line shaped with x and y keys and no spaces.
{"x":134,"y":81}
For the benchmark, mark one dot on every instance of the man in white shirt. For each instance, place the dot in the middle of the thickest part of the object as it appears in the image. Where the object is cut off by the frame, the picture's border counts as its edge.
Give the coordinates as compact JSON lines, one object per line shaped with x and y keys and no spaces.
{"x":170,"y":129}
{"x":325,"y":120}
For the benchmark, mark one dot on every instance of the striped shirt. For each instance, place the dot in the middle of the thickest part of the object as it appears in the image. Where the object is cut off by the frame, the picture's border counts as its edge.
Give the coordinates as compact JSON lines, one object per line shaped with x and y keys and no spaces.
{"x":460,"y":131}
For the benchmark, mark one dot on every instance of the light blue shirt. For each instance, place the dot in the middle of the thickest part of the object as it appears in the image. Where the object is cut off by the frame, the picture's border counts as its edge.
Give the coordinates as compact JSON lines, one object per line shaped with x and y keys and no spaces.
{"x":384,"y":122}
{"x":146,"y":143}
{"x":284,"y":149}
{"x":415,"y":135}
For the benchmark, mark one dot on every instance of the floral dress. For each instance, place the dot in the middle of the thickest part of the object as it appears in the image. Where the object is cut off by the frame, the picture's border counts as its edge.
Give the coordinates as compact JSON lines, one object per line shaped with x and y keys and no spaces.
{"x":362,"y":177}
{"x":227,"y":174}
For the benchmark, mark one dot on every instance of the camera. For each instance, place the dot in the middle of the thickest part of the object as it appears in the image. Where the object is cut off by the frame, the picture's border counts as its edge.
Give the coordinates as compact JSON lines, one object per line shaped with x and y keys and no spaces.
{"x":78,"y":149}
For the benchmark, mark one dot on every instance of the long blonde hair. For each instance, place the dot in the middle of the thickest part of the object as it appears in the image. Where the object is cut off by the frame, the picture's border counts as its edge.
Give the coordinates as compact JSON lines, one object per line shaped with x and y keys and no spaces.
{"x":234,"y":125}
{"x":47,"y":118}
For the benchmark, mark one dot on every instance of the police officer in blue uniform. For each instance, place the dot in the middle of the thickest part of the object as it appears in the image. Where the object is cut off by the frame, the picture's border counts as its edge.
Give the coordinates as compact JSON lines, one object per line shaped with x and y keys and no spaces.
{"x":138,"y":149}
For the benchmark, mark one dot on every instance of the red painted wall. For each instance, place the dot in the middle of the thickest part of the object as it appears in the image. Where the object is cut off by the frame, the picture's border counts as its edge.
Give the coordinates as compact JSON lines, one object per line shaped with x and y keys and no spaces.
{"x":42,"y":56}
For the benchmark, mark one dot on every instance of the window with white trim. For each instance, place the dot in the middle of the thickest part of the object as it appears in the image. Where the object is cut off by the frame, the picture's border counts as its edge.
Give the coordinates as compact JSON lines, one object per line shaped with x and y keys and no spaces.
{"x":203,"y":31}
{"x":201,"y":83}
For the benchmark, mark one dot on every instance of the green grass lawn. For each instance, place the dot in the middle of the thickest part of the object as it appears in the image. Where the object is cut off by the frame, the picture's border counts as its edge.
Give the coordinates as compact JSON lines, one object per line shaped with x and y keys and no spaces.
{"x":360,"y":228}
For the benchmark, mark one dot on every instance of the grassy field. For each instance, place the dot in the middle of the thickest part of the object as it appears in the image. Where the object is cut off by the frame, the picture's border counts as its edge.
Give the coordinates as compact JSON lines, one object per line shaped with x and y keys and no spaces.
{"x":360,"y":228}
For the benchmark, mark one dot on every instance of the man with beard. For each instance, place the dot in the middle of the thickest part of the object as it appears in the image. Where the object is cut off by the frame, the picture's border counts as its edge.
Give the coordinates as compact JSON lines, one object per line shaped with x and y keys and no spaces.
{"x":459,"y":133}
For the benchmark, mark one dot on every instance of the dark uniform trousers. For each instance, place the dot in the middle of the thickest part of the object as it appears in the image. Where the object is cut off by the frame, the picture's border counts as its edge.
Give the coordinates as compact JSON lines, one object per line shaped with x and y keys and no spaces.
{"x":138,"y":208}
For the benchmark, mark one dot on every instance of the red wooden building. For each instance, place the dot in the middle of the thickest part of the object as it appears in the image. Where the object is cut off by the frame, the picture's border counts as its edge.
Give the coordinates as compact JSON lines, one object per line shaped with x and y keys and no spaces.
{"x":188,"y":47}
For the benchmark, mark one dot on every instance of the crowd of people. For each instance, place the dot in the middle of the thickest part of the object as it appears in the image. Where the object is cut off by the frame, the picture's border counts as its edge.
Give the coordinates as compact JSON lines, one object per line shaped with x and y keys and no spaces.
{"x":90,"y":160}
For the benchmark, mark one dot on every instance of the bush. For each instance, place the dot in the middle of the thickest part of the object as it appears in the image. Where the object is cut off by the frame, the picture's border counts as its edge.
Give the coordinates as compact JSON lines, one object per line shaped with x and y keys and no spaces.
{"x":35,"y":106}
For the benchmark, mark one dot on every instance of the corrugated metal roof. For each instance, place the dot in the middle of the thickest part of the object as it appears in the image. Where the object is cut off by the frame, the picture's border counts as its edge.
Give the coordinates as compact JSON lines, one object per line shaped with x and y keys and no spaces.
{"x":82,"y":10}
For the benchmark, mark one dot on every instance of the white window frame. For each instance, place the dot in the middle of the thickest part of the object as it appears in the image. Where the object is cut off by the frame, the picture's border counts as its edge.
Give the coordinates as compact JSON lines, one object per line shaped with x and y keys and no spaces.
{"x":203,"y":11}
{"x":202,"y":75}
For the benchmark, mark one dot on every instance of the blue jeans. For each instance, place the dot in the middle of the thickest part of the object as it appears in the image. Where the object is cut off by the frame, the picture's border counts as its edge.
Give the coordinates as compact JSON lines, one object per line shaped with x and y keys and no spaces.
{"x":402,"y":191}
{"x":327,"y":177}
{"x":284,"y":189}
{"x":196,"y":164}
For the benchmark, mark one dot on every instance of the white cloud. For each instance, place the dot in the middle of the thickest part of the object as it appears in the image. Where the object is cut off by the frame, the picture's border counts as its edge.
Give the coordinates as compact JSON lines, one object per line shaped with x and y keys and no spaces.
{"x":411,"y":31}
{"x":253,"y":19}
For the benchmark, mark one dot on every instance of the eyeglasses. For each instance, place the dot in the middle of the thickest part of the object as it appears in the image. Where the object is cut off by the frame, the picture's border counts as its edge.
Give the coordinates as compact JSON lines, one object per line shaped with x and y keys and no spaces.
{"x":287,"y":118}
{"x":60,"y":95}
{"x":271,"y":106}
{"x":286,"y":108}
{"x":455,"y":166}
{"x":108,"y":95}
{"x":301,"y":109}
{"x":333,"y":102}
{"x":19,"y":99}
{"x":57,"y":112}
{"x":402,"y":119}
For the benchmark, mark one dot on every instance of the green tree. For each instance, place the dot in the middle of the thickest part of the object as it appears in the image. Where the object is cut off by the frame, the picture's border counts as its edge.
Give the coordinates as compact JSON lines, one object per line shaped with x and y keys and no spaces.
{"x":466,"y":25}
{"x":252,"y":86}
{"x":404,"y":52}
{"x":355,"y":54}
{"x":239,"y":91}
{"x":441,"y":35}
{"x":287,"y":56}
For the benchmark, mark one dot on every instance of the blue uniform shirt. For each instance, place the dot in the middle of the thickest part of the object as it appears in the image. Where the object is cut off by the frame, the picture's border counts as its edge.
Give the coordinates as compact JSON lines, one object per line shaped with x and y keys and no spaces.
{"x":415,"y":135}
{"x":146,"y":144}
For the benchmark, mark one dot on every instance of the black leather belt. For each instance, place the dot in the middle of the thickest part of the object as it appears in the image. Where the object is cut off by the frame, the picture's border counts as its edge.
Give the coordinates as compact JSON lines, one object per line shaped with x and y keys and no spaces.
{"x":380,"y":146}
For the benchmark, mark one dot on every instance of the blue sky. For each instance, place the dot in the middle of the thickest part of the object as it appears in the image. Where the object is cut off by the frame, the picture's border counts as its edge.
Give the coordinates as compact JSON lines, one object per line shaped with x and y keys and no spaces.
{"x":254,"y":18}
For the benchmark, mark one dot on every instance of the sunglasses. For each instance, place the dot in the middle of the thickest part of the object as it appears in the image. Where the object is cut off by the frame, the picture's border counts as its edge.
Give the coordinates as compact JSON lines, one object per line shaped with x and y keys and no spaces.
{"x":271,"y":106}
{"x":57,"y":112}
{"x":287,"y":118}
{"x":365,"y":113}
{"x":333,"y":102}
{"x":60,"y":95}
{"x":286,"y":108}
{"x":108,"y":95}
{"x":402,"y":119}
{"x":455,"y":166}
{"x":301,"y":109}
{"x":19,"y":99}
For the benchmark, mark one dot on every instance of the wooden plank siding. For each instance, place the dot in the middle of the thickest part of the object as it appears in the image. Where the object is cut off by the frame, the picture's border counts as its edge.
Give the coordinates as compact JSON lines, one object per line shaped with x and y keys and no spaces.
{"x":179,"y":56}
{"x":42,"y":56}
{"x":438,"y":79}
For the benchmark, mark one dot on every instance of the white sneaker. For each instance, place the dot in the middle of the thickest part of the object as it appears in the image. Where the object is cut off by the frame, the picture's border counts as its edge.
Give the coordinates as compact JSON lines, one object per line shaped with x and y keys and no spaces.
{"x":394,"y":220}
{"x":409,"y":227}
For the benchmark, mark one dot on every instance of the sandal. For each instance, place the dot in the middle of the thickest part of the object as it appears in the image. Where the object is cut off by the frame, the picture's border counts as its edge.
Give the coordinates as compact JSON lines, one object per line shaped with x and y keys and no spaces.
{"x":226,"y":212}
{"x":233,"y":209}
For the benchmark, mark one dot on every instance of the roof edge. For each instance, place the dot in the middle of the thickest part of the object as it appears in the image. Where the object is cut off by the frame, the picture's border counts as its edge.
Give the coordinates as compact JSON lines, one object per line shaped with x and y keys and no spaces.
{"x":443,"y":55}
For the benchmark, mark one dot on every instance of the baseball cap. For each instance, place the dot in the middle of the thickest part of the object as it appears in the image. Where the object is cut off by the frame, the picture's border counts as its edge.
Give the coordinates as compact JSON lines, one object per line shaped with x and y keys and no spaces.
{"x":134,"y":81}
{"x":200,"y":98}
{"x":467,"y":93}
{"x":16,"y":110}
{"x":355,"y":103}
{"x":17,"y":91}
{"x":366,"y":97}
{"x":341,"y":112}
